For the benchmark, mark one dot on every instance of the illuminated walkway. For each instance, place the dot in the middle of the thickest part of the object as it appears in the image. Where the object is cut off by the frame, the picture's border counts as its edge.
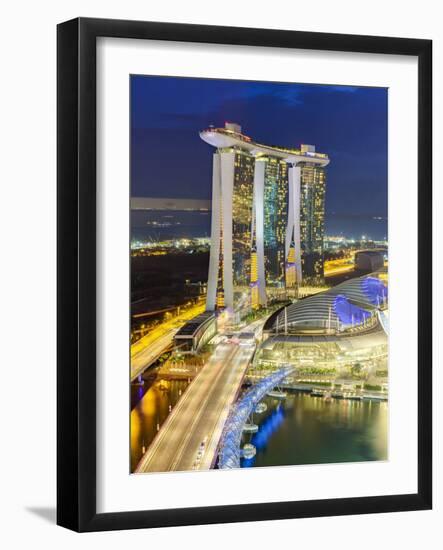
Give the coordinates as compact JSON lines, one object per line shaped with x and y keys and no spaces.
{"x":230,"y":452}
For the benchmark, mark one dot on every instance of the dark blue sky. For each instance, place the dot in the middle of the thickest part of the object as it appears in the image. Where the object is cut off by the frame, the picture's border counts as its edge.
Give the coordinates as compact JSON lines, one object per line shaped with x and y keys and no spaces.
{"x":168,"y":159}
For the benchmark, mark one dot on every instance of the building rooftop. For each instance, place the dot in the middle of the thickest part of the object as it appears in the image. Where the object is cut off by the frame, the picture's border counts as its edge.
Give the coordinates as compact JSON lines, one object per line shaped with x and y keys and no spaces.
{"x":231,"y":136}
{"x":191,"y":327}
{"x":372,"y":251}
{"x":346,"y":305}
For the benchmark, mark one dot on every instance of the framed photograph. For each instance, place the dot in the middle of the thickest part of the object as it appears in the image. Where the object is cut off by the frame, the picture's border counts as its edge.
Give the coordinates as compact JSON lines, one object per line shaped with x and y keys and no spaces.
{"x":244,"y":274}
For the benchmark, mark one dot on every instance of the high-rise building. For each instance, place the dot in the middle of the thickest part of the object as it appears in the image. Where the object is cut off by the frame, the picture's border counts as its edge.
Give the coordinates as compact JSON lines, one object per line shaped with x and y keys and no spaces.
{"x":267,"y":219}
{"x":312,"y":220}
{"x":275,"y":221}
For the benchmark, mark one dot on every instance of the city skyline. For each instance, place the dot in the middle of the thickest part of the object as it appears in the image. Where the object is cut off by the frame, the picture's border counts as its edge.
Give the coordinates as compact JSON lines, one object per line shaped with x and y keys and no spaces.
{"x":349,"y":122}
{"x":267,"y":225}
{"x":266,"y":343}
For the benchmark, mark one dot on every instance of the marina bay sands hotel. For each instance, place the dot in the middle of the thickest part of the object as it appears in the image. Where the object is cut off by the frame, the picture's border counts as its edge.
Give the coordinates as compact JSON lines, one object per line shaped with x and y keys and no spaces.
{"x":267,"y":220}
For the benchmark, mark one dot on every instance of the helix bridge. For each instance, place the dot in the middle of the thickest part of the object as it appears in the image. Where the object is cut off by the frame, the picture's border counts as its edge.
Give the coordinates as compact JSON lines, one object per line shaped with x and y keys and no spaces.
{"x":230,"y":451}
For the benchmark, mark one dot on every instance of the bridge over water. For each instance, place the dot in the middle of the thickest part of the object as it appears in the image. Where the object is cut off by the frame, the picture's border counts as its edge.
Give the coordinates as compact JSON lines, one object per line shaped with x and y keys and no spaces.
{"x":230,"y":452}
{"x":200,"y":414}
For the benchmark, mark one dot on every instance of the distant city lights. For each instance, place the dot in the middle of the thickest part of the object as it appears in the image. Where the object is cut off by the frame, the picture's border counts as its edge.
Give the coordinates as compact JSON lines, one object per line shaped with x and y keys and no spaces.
{"x":182,"y":243}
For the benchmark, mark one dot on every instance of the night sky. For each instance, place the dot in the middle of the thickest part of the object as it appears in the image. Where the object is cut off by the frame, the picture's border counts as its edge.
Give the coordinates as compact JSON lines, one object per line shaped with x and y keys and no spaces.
{"x":168,"y":158}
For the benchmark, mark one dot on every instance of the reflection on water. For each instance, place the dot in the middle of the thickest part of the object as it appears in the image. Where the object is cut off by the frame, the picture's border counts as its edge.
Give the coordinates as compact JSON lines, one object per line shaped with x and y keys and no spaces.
{"x":309,"y":430}
{"x":153,"y":402}
{"x":298,"y":430}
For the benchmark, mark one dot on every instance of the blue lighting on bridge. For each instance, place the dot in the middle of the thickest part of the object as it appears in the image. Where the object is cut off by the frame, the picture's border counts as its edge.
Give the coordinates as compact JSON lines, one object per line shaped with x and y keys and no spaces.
{"x":247,"y":462}
{"x":348,"y":313}
{"x":230,"y":452}
{"x":267,"y":428}
{"x":374,"y":290}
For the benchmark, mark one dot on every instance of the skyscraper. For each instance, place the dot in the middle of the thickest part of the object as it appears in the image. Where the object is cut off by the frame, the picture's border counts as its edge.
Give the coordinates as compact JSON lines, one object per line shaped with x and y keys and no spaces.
{"x":275,"y":221}
{"x":268,"y":209}
{"x":312,"y":220}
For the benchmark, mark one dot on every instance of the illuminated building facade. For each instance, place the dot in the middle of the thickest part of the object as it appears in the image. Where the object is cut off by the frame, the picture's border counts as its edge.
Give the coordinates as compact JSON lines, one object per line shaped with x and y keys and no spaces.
{"x":240,"y":221}
{"x":291,"y":277}
{"x":312,"y":221}
{"x":275,"y":221}
{"x":231,"y":231}
{"x":255,"y":297}
{"x":336,"y":329}
{"x":263,"y":200}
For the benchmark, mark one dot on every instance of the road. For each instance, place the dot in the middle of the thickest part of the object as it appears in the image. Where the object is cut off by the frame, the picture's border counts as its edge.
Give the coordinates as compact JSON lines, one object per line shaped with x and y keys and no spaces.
{"x":336,"y":267}
{"x":149,"y":348}
{"x":143,"y":359}
{"x":200,"y":414}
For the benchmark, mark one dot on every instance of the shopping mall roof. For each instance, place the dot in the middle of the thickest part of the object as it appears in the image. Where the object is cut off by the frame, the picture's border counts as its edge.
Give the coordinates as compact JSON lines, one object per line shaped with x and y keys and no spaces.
{"x":366,"y":291}
{"x":343,"y":306}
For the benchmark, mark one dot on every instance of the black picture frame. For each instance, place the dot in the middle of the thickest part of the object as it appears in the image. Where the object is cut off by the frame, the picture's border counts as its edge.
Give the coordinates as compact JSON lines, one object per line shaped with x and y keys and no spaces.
{"x":76,"y":294}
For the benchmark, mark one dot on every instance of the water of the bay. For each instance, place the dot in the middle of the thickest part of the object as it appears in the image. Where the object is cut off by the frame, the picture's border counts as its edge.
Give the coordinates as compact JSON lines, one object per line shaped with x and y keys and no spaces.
{"x":151,"y":405}
{"x":303,"y":429}
{"x":300,"y":429}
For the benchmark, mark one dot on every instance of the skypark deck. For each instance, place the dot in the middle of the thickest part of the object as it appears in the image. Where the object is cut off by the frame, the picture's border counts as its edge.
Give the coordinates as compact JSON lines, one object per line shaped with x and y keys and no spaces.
{"x":224,"y":138}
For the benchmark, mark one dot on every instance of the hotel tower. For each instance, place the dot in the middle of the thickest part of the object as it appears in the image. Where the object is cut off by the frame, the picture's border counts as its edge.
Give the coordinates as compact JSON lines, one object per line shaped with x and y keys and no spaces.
{"x":267,"y":220}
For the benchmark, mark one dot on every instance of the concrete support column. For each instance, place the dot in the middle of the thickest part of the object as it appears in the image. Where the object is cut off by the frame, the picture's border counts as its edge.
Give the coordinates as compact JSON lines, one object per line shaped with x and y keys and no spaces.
{"x":214,"y":256}
{"x":259,"y":183}
{"x":227,"y":185}
{"x":293,"y":228}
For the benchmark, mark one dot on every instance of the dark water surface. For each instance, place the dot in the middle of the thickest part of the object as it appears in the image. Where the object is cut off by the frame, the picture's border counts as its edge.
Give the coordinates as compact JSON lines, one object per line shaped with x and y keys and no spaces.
{"x":309,"y":430}
{"x":298,"y":430}
{"x":150,"y":408}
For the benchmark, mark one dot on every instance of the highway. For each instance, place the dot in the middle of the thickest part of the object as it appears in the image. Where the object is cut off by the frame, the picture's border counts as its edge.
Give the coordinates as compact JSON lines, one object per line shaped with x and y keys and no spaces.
{"x":144,"y":358}
{"x":337,"y":267}
{"x":149,"y":348}
{"x":197,"y":421}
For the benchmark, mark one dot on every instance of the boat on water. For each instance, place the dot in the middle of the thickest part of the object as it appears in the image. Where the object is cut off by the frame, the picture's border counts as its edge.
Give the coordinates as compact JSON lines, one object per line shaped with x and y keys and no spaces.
{"x":277,"y":394}
{"x":315,"y":392}
{"x":374,"y":397}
